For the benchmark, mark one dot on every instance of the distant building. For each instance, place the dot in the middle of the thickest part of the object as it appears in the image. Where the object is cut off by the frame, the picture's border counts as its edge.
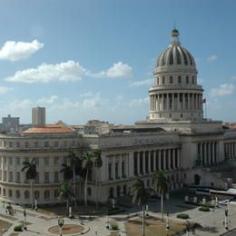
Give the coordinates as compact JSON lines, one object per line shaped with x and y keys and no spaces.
{"x":38,"y":116}
{"x":10,"y":124}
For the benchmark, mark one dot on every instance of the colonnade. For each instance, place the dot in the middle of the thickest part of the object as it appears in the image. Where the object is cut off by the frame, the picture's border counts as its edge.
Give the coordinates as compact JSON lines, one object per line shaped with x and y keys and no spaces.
{"x":207,"y":153}
{"x":230,"y":150}
{"x":147,"y":162}
{"x":175,"y":101}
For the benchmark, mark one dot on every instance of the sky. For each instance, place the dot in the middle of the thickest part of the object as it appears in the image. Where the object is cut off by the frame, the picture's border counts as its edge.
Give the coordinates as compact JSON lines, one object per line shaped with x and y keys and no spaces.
{"x":94,"y":59}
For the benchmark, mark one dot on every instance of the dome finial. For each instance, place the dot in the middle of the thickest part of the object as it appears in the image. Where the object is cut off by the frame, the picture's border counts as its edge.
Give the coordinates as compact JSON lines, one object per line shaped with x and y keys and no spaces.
{"x":175,"y":36}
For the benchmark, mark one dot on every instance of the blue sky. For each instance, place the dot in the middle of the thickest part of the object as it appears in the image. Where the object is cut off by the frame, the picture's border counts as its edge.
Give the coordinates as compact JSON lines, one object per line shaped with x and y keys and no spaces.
{"x":93,"y":59}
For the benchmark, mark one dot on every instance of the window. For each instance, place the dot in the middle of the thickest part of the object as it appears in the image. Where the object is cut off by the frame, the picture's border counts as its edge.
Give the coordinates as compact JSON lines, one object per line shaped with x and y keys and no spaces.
{"x":89,"y":191}
{"x":179,"y":79}
{"x":4,"y":192}
{"x":17,"y":194}
{"x":46,"y":144}
{"x":111,"y":192}
{"x":56,"y":177}
{"x":187,"y":80}
{"x":46,"y":177}
{"x":193,"y":80}
{"x":163,"y":80}
{"x":36,"y":194}
{"x":171,"y":80}
{"x":10,"y":176}
{"x":118,"y":191}
{"x":110,"y":170}
{"x":17,"y":177}
{"x":4,"y":175}
{"x":10,"y":161}
{"x":10,"y":193}
{"x":157,"y":80}
{"x":46,"y":195}
{"x":10,"y":144}
{"x":123,"y":168}
{"x":26,"y":194}
{"x":55,"y":194}
{"x":117,"y":170}
{"x":17,"y":144}
{"x":46,"y":161}
{"x":124,"y":189}
{"x":17,"y":161}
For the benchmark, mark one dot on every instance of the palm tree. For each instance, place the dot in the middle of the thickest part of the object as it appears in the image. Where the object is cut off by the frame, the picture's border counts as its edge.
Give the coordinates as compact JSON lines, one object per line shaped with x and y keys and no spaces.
{"x":30,"y":169}
{"x":66,"y":194}
{"x":161,"y":186}
{"x":98,"y":165}
{"x":141,"y":196}
{"x":75,"y":164}
{"x":67,"y":172}
{"x":87,"y":165}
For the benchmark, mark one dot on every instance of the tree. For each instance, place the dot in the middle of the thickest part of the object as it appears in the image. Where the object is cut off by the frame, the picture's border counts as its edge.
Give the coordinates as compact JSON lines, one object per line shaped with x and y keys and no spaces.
{"x":98,"y":165}
{"x":66,"y":194}
{"x":67,"y":172}
{"x":161,"y":186}
{"x":141,"y":196}
{"x":30,"y":169}
{"x":87,"y":165}
{"x":75,"y":166}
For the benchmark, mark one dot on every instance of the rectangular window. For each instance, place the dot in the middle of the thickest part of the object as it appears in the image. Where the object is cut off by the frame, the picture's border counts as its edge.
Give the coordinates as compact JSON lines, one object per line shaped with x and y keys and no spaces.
{"x":17,"y":177}
{"x":56,"y":177}
{"x":46,"y":177}
{"x":117,"y":170}
{"x":123,"y":169}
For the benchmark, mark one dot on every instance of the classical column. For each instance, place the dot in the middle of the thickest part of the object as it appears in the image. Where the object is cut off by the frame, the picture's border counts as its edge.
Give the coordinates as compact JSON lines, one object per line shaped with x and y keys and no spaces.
{"x":154,"y":160}
{"x":183,"y":101}
{"x":144,"y":163}
{"x":178,"y":102}
{"x":167,"y":102}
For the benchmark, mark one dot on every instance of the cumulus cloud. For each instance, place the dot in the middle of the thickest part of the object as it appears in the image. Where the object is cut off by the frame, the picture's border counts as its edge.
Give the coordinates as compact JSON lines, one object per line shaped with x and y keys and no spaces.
{"x":45,"y":73}
{"x":67,"y":71}
{"x":136,"y":102}
{"x":212,"y":58}
{"x":4,"y":89}
{"x":116,"y":71}
{"x":140,"y":83}
{"x":223,"y":90}
{"x":14,"y":51}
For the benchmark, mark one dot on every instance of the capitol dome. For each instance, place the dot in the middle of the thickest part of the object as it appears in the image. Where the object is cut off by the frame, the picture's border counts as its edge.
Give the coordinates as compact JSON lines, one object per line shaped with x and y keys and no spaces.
{"x":175,"y":54}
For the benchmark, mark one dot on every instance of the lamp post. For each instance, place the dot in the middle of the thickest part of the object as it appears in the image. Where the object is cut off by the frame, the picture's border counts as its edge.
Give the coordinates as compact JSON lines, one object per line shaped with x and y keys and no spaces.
{"x":24,"y":213}
{"x":35,"y":204}
{"x":60,"y":224}
{"x":187,"y":228}
{"x":167,"y":223}
{"x":226,"y":218}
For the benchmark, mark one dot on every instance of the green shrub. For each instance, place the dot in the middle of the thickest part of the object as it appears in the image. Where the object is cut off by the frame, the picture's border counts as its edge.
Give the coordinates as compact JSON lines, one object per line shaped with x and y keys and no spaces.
{"x":183,"y":216}
{"x":18,"y":228}
{"x":114,"y":227}
{"x":204,"y":208}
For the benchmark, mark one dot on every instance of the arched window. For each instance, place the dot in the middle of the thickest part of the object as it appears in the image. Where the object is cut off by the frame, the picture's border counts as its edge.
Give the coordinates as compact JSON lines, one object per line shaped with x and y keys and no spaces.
{"x":26,"y":194}
{"x":46,"y":195}
{"x":171,"y":80}
{"x":10,"y":193}
{"x":124,"y":189}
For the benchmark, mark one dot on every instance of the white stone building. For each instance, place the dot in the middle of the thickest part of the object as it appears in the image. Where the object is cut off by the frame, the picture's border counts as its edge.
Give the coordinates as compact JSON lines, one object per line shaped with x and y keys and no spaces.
{"x":175,"y":137}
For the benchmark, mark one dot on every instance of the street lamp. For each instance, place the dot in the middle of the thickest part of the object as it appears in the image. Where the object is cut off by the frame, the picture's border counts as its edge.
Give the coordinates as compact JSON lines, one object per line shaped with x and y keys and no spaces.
{"x":187,"y":228}
{"x":226,"y":218}
{"x":24,"y":213}
{"x":60,"y":223}
{"x":167,"y":222}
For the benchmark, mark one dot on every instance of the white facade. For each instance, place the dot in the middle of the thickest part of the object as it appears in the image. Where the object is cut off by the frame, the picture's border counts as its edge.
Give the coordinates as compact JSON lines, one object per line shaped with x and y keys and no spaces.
{"x":175,"y":138}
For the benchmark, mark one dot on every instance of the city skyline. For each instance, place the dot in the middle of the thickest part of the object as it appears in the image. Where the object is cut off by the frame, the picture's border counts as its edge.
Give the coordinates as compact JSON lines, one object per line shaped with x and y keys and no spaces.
{"x":94,"y":60}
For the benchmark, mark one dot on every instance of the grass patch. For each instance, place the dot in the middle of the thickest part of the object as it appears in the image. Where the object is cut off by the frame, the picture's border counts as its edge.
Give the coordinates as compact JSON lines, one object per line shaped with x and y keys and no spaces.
{"x":153,"y":227}
{"x":4,"y":226}
{"x":183,"y":216}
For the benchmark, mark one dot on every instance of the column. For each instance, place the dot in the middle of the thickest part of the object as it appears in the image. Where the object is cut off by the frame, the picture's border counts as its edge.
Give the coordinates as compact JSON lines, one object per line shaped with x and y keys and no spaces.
{"x":154,"y":161}
{"x":184,"y":102}
{"x":178,"y":101}
{"x":161,"y":102}
{"x":149,"y":162}
{"x":167,"y":102}
{"x":213,"y":153}
{"x":144,"y":163}
{"x":138,"y":163}
{"x":171,"y":159}
{"x":178,"y":159}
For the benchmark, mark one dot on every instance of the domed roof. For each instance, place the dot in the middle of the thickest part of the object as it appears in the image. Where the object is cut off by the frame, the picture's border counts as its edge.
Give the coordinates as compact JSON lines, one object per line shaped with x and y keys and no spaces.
{"x":175,"y":54}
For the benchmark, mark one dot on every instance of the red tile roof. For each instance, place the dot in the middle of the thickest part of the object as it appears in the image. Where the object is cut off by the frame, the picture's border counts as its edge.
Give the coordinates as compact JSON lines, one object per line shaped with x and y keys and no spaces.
{"x":49,"y":129}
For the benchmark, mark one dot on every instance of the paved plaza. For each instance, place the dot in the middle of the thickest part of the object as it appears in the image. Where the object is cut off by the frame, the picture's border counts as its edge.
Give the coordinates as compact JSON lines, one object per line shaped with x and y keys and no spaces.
{"x":38,"y":223}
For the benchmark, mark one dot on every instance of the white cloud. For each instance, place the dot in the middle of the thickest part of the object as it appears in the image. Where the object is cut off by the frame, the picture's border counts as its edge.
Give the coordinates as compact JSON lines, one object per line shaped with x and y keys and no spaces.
{"x":223,"y":90}
{"x":147,"y":82}
{"x":4,"y":90}
{"x":45,"y":73}
{"x":67,"y":71}
{"x":212,"y":58}
{"x":14,"y":51}
{"x":136,"y":102}
{"x":116,"y":71}
{"x":47,"y":100}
